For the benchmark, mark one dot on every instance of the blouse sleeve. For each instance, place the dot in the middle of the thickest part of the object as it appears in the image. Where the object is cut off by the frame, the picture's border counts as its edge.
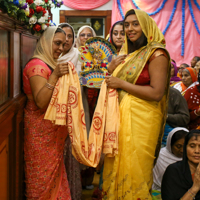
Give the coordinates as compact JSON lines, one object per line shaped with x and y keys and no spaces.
{"x":157,"y":53}
{"x":37,"y":67}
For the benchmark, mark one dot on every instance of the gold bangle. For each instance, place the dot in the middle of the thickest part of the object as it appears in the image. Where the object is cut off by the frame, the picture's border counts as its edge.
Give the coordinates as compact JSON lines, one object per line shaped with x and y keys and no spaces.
{"x":49,"y":86}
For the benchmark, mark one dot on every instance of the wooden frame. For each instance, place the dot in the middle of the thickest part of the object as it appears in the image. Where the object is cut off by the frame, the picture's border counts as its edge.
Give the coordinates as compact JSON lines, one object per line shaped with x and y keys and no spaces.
{"x":12,"y":116}
{"x":88,"y":13}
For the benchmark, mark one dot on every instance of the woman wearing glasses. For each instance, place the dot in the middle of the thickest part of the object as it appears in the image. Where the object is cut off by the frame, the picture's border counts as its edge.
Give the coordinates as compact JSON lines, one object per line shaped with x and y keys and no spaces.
{"x":70,"y":54}
{"x":84,"y":33}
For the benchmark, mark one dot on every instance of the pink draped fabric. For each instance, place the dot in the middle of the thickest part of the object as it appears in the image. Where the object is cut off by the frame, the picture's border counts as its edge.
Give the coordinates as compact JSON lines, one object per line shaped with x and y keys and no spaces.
{"x":84,"y":4}
{"x":173,"y":34}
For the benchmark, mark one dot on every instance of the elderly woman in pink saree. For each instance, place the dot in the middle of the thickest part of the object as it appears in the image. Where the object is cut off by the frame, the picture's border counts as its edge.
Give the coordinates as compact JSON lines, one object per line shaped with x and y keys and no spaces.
{"x":46,"y":178}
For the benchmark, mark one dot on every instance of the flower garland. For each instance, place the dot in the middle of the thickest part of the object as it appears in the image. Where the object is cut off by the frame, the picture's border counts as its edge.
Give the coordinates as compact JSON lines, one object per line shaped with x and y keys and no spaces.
{"x":193,"y":18}
{"x":155,"y":12}
{"x":183,"y":29}
{"x":34,"y":13}
{"x":171,"y":17}
{"x":196,"y":3}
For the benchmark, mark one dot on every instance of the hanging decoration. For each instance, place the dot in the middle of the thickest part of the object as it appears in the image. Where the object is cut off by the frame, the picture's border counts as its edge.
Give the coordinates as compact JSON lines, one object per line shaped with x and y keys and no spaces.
{"x":196,"y":3}
{"x":193,"y":18}
{"x":120,"y":8}
{"x":171,"y":17}
{"x":84,"y":5}
{"x":123,"y":5}
{"x":33,"y":13}
{"x":183,"y":29}
{"x":155,"y":12}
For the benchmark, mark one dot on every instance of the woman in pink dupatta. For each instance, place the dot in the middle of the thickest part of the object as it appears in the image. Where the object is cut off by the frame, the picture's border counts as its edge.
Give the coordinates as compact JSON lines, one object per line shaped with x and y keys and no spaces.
{"x":45,"y":174}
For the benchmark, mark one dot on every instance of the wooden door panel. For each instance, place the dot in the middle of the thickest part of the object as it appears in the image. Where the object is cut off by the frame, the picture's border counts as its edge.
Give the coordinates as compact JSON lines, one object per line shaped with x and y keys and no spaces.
{"x":4,"y":158}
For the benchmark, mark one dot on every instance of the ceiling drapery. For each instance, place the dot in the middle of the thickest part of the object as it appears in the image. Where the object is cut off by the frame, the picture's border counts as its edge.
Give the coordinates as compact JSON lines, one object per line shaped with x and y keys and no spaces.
{"x":84,"y":4}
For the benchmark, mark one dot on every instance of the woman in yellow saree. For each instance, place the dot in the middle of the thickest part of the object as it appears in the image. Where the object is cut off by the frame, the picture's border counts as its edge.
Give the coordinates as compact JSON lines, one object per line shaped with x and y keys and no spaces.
{"x":142,"y":80}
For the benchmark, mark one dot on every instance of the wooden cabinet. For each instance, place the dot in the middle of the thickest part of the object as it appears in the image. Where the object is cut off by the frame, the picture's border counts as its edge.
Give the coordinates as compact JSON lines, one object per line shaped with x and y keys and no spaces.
{"x":16,"y":48}
{"x":3,"y":169}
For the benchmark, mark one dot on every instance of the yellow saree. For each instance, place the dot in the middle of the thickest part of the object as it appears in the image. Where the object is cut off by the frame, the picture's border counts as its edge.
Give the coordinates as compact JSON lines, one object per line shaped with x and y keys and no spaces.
{"x":128,"y":175}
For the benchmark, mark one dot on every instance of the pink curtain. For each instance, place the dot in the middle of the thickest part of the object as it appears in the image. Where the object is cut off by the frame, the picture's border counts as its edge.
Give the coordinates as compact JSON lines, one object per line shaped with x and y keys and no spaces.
{"x":84,"y":4}
{"x":173,"y":34}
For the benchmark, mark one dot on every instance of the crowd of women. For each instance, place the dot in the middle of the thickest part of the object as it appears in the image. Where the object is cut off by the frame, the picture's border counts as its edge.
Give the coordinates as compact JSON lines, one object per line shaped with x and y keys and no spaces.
{"x":147,"y":82}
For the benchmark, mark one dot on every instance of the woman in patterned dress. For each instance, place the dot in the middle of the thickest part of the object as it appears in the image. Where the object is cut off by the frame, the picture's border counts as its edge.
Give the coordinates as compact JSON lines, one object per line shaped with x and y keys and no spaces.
{"x":45,"y":174}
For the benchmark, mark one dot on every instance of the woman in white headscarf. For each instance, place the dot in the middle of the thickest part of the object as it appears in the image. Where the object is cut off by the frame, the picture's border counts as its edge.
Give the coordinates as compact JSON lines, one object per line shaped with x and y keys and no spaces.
{"x":70,"y":54}
{"x":172,"y":153}
{"x":45,"y":174}
{"x":84,"y":33}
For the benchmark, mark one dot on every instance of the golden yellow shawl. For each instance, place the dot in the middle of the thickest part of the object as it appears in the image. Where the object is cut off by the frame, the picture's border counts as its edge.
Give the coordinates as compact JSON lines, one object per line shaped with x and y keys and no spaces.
{"x":66,"y":108}
{"x":129,"y":174}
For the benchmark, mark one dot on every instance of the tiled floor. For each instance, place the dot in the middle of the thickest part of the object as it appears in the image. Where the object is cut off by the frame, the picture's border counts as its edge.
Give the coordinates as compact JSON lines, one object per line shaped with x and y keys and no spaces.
{"x":87,"y":194}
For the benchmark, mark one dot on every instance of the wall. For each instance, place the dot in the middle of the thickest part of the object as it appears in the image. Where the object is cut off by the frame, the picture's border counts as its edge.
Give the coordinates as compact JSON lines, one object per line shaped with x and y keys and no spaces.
{"x":56,"y":11}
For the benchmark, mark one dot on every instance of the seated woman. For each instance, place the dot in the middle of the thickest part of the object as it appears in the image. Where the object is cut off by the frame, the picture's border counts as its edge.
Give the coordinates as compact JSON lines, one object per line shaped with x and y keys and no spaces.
{"x":172,"y":153}
{"x":192,"y":97}
{"x":189,"y":78}
{"x":181,"y":68}
{"x":181,"y":180}
{"x":174,"y":70}
{"x":177,"y":115}
{"x":194,"y":60}
{"x":197,"y":67}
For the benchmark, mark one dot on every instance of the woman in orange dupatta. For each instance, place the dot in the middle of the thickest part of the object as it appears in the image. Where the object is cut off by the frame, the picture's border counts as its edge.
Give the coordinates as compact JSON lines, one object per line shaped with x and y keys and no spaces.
{"x":189,"y":79}
{"x":46,"y":178}
{"x":142,"y":80}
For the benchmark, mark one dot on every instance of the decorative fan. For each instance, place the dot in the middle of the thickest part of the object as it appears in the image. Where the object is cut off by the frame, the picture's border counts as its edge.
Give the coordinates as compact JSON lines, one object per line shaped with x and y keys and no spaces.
{"x":95,"y":57}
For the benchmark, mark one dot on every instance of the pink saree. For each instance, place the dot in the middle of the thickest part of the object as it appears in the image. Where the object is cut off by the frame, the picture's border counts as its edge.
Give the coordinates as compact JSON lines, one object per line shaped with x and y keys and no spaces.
{"x":46,"y":178}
